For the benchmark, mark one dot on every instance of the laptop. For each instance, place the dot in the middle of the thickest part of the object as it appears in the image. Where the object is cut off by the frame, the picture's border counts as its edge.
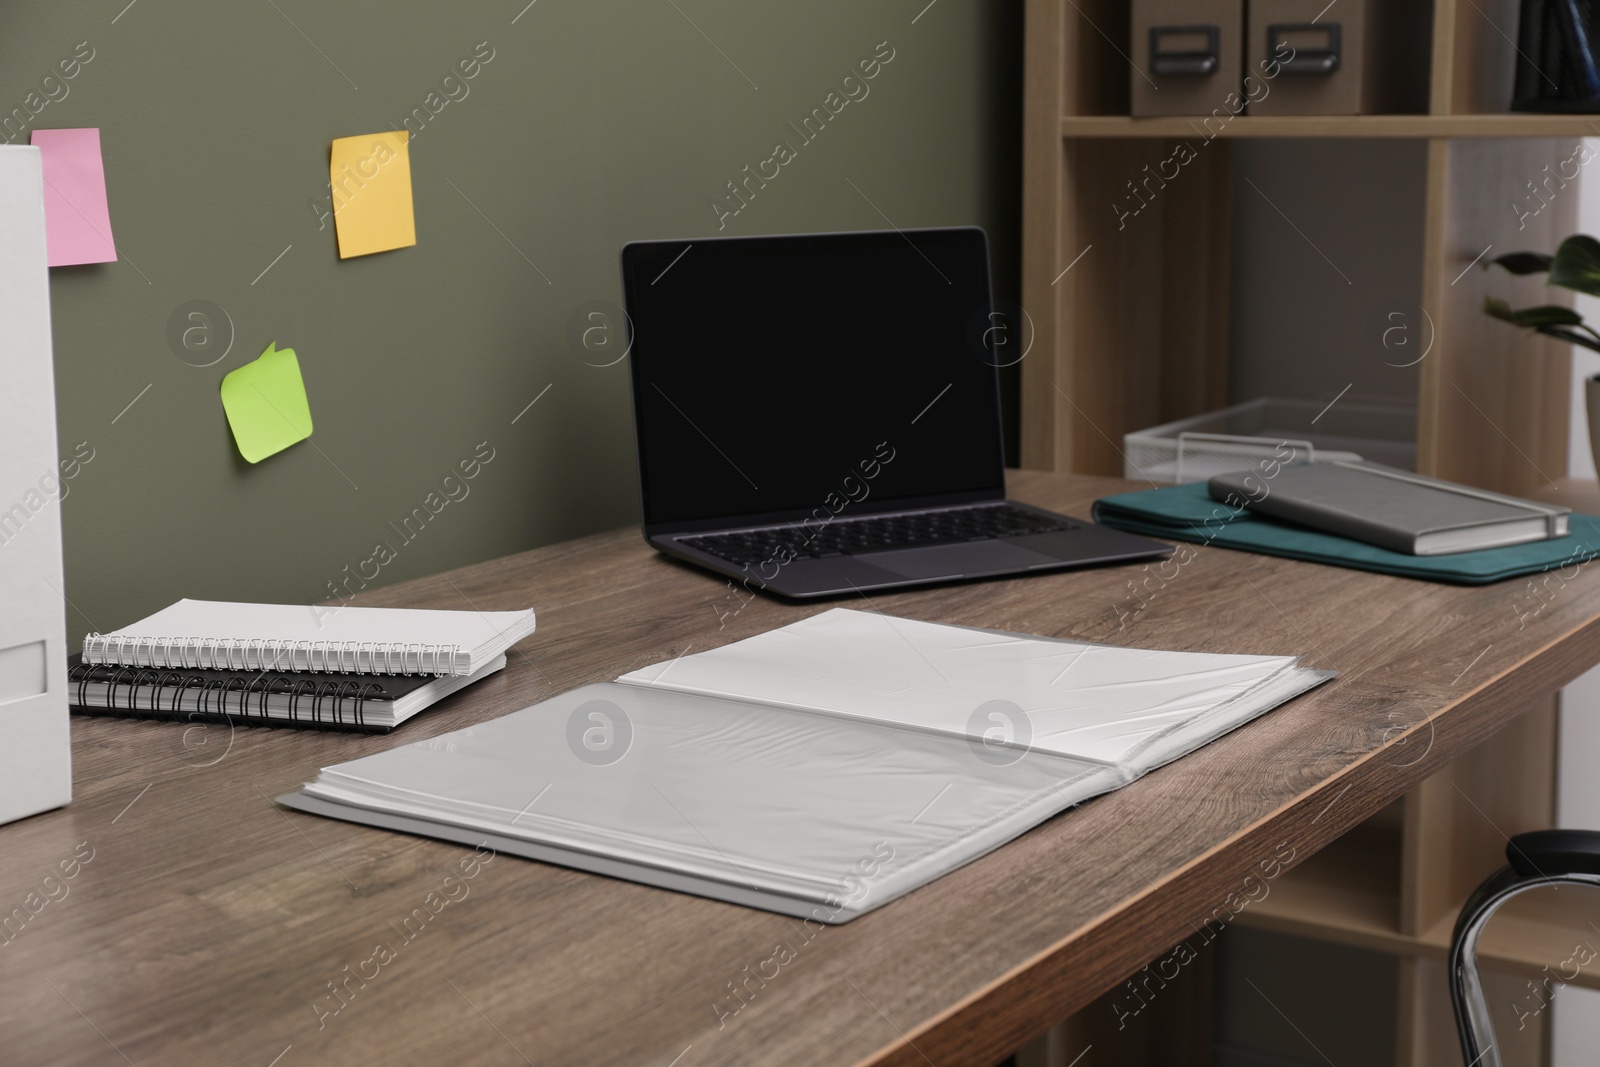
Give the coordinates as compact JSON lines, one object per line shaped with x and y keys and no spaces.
{"x":819,"y":415}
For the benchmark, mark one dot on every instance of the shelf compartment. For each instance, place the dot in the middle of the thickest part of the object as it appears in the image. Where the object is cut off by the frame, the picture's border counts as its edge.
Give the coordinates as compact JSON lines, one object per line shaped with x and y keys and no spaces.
{"x":1539,"y":929}
{"x":1349,"y":894}
{"x":1415,"y":126}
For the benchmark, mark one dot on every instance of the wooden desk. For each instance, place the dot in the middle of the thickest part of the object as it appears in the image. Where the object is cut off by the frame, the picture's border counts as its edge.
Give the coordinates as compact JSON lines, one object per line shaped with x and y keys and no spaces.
{"x":208,"y":921}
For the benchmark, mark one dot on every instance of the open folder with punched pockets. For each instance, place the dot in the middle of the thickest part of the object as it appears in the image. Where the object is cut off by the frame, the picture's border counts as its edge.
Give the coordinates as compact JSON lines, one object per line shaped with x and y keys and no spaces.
{"x":820,"y":414}
{"x":818,"y":770}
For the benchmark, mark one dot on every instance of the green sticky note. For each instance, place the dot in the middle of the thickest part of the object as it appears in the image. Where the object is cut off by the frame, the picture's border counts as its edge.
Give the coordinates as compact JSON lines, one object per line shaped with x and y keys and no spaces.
{"x":266,"y":404}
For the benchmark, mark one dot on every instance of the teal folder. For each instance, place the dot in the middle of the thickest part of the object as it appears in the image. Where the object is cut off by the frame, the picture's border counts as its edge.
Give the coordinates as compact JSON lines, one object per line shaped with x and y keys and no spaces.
{"x":1187,"y":513}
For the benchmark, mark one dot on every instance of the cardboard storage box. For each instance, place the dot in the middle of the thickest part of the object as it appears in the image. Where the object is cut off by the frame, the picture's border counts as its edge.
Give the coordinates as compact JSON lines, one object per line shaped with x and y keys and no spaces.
{"x":1188,"y":56}
{"x":1356,"y":57}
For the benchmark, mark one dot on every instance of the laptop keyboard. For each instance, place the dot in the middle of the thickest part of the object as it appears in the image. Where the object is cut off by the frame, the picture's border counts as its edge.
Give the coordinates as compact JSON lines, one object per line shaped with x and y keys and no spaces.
{"x":844,"y":537}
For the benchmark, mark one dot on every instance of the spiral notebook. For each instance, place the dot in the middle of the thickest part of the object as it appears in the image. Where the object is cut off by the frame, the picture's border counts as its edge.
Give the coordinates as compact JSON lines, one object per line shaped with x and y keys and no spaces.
{"x":357,"y":703}
{"x":218,"y":635}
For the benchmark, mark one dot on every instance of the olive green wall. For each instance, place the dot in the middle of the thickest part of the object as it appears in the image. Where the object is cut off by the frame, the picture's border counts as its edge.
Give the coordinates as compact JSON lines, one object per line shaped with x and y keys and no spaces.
{"x":592,"y":124}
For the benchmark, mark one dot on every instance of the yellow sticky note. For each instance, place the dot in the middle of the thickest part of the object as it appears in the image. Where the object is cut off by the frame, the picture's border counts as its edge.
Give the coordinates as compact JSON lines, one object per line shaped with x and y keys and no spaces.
{"x":266,"y":404}
{"x":371,"y":187}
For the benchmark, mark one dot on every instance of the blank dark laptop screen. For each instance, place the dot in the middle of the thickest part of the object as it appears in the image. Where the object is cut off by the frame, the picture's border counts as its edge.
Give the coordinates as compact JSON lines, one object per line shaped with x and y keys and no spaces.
{"x":774,"y":376}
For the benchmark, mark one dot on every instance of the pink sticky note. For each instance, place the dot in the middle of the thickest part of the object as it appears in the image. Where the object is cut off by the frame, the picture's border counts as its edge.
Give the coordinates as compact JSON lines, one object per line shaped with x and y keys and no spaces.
{"x":77,"y":221}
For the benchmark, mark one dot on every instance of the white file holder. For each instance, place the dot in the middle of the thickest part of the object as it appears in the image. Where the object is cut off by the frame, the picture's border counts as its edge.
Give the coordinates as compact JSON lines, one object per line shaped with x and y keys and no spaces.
{"x":35,"y":750}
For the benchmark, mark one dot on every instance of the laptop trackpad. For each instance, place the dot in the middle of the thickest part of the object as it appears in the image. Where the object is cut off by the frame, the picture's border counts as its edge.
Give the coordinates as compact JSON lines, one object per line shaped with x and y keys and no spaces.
{"x":955,"y":561}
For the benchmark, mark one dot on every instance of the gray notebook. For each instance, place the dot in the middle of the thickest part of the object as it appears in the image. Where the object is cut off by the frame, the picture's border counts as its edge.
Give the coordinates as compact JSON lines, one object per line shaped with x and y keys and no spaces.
{"x":1393,"y":509}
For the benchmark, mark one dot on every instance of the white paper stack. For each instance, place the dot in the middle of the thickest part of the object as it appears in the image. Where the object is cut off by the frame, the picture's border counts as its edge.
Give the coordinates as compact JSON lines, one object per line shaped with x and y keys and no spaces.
{"x":818,"y":770}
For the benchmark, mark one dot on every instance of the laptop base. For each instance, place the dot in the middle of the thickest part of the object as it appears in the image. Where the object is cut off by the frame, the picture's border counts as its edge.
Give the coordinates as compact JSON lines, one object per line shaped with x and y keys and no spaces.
{"x":1085,"y":545}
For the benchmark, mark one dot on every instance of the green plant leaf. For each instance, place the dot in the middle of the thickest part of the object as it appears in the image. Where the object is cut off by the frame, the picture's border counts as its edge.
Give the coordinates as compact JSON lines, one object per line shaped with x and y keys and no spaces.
{"x":1533,"y":318}
{"x":1498,"y":309}
{"x":1522,"y":262}
{"x":1576,"y":265}
{"x":1561,"y":333}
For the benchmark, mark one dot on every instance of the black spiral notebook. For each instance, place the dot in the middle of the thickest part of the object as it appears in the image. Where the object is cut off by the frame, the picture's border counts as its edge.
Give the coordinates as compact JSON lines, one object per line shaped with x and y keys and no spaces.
{"x":363,"y":703}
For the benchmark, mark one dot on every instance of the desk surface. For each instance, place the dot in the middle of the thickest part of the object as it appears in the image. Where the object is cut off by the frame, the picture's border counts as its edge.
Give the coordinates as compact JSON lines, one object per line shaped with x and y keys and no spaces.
{"x":208,"y":924}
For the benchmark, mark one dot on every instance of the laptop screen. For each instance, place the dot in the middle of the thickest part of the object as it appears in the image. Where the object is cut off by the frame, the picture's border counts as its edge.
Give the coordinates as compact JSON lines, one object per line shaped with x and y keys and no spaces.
{"x":773,"y":376}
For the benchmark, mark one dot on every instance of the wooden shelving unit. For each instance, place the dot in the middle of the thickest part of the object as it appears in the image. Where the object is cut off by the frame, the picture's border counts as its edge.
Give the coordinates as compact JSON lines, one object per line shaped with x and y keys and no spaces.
{"x":1132,"y":330}
{"x":1445,"y":126}
{"x":1348,"y":893}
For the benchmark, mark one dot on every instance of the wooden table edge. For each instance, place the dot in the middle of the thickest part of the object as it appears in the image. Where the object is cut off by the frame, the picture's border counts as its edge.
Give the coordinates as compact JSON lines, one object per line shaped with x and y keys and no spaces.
{"x":950,"y":1032}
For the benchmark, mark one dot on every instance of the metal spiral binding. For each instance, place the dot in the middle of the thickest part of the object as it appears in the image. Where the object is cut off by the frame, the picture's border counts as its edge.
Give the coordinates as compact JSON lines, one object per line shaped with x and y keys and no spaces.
{"x":254,"y":654}
{"x":160,"y":694}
